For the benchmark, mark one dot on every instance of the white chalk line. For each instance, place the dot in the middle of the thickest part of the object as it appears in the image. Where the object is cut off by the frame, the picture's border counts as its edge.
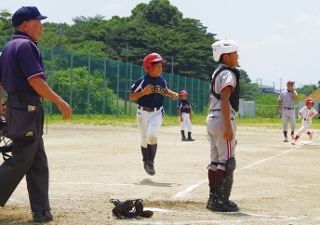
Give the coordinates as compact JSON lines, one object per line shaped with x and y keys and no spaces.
{"x":266,"y":217}
{"x":192,"y":187}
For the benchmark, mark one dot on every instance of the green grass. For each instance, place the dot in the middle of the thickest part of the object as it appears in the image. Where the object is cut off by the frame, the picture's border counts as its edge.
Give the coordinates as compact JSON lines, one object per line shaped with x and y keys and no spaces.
{"x":170,"y":121}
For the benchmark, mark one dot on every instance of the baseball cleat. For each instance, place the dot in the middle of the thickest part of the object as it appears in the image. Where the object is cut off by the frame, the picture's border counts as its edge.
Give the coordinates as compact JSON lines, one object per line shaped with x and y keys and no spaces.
{"x":285,"y":140}
{"x":310,"y":135}
{"x":293,"y":142}
{"x":150,"y":169}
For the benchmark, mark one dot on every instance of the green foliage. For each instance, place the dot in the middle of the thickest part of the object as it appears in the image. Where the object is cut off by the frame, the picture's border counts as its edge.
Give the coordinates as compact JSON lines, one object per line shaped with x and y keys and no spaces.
{"x":84,"y":87}
{"x":306,"y":89}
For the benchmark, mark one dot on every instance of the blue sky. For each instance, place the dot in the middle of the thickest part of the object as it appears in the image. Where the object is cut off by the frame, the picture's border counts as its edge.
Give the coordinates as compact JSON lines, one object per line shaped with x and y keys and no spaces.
{"x":279,"y":40}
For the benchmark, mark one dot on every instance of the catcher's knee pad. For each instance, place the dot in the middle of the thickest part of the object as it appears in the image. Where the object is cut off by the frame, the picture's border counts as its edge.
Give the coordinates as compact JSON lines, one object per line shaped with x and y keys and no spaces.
{"x":224,"y":185}
{"x":213,"y":166}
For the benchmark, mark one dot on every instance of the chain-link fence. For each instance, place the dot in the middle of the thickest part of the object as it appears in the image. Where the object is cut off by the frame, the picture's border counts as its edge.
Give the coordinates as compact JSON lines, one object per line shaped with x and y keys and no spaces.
{"x":97,"y":85}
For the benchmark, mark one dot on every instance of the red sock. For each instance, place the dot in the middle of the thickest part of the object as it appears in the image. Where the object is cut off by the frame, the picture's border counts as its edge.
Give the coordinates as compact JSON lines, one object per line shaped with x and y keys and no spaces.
{"x":296,"y":138}
{"x":308,"y":132}
{"x":220,"y":174}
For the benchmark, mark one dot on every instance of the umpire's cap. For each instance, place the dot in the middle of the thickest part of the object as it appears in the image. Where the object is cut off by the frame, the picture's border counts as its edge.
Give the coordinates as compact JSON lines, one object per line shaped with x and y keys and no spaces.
{"x":26,"y":13}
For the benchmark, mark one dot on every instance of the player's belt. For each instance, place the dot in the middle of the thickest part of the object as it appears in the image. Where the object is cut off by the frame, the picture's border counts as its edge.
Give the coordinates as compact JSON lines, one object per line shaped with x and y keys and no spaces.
{"x":149,"y":109}
{"x":288,"y":108}
{"x":305,"y":119}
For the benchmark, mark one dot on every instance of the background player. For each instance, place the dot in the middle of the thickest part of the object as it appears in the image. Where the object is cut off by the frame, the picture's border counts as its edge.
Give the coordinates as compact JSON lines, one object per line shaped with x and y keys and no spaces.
{"x":306,"y":114}
{"x":150,"y":90}
{"x":221,"y":128}
{"x":287,"y":98}
{"x":185,"y":115}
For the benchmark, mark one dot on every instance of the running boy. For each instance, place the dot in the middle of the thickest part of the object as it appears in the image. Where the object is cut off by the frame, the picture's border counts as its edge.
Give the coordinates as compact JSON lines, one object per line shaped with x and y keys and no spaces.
{"x":185,"y":115}
{"x":149,"y":91}
{"x":306,"y":114}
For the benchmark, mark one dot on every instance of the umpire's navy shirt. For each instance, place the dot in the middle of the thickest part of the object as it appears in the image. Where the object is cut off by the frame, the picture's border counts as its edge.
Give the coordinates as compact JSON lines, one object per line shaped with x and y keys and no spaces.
{"x":20,"y":61}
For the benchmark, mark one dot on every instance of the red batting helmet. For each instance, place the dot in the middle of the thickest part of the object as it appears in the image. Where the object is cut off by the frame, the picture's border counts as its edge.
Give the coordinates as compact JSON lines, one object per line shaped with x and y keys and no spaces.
{"x":151,"y":59}
{"x":290,"y":82}
{"x":183,"y":92}
{"x":309,"y":100}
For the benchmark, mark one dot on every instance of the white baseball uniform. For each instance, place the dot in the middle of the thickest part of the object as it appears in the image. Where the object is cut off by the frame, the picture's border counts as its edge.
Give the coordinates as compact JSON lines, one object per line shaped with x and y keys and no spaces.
{"x":220,"y":149}
{"x":306,"y":119}
{"x":288,"y":112}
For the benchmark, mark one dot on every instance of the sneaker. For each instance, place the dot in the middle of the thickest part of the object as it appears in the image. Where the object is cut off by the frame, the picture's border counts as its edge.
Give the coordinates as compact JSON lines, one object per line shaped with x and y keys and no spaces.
{"x":150,"y":169}
{"x":285,"y":140}
{"x":310,"y":135}
{"x":293,"y":142}
{"x":41,"y":217}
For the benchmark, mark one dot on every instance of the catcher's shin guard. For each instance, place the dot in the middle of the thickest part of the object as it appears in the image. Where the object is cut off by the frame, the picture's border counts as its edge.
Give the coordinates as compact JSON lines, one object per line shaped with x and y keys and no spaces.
{"x":223,"y":188}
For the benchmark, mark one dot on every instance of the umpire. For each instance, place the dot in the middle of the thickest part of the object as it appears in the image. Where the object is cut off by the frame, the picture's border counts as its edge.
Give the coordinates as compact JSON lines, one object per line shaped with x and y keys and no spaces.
{"x":23,"y":77}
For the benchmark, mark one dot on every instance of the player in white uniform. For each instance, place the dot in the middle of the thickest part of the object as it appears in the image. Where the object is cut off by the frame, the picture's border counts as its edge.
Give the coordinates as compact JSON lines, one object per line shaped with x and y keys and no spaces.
{"x":221,"y":127}
{"x":286,"y":99}
{"x":185,"y":115}
{"x":306,"y":114}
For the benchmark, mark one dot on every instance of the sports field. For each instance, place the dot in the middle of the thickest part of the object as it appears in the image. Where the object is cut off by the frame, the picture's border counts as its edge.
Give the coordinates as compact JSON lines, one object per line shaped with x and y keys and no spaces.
{"x":275,"y":182}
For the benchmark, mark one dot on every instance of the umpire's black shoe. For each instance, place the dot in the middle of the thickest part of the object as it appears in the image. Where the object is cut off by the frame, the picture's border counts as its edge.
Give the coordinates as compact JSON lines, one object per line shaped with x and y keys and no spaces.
{"x":150,"y":168}
{"x":41,"y":217}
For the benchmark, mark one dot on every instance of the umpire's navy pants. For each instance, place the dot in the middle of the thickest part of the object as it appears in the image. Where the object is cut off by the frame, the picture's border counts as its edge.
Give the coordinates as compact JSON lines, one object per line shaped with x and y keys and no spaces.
{"x":28,"y":158}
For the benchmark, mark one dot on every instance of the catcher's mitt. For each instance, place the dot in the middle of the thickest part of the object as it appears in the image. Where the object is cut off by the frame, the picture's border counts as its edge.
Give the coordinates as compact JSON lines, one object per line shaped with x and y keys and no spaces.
{"x":129,"y":209}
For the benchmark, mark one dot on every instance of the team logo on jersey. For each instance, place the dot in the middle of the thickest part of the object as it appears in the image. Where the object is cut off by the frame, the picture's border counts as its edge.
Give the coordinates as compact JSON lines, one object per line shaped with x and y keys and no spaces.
{"x":157,"y":89}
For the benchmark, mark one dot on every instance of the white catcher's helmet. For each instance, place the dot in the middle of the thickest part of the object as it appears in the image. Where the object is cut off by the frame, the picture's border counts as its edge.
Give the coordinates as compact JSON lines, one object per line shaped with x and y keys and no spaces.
{"x":222,"y":47}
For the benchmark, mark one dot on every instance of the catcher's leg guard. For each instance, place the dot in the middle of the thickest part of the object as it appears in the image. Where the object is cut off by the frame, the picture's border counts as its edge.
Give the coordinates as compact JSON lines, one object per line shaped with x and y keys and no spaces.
{"x":189,"y":137}
{"x":151,"y":153}
{"x":223,"y":188}
{"x":183,"y":137}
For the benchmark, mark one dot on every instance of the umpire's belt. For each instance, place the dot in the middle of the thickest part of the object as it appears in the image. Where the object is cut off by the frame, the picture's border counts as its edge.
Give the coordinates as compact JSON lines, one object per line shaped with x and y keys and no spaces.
{"x":149,"y":109}
{"x":288,"y":108}
{"x":25,"y":98}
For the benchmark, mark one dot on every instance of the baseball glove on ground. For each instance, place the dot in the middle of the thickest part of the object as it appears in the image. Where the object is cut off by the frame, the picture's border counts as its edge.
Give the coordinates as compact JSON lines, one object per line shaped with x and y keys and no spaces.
{"x":129,"y":209}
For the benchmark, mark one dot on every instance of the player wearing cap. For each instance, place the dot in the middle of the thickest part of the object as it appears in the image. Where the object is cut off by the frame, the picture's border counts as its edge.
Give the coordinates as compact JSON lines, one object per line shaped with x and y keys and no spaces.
{"x":221,"y":127}
{"x":149,"y":91}
{"x":306,"y":114}
{"x":185,"y":115}
{"x":287,"y":100}
{"x":23,"y":77}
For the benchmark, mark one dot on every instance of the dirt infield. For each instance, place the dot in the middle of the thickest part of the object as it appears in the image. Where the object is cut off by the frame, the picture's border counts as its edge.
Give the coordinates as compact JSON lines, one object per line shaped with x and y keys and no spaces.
{"x":275,"y":182}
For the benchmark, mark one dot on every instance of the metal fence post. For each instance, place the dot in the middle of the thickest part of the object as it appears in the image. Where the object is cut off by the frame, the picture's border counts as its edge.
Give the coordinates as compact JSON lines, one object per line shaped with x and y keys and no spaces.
{"x":104,"y":86}
{"x":71,"y":77}
{"x":88,"y":92}
{"x":118,"y":74}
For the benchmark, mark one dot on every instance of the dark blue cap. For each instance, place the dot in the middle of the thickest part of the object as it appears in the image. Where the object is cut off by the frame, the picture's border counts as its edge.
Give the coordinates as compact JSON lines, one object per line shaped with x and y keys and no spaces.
{"x":26,"y":13}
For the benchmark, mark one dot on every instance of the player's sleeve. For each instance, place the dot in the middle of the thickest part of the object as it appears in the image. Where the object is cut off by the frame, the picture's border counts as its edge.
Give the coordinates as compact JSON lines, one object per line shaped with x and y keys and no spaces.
{"x":137,"y":86}
{"x":179,"y":105}
{"x":280,"y":97}
{"x":227,"y":78}
{"x":29,"y":58}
